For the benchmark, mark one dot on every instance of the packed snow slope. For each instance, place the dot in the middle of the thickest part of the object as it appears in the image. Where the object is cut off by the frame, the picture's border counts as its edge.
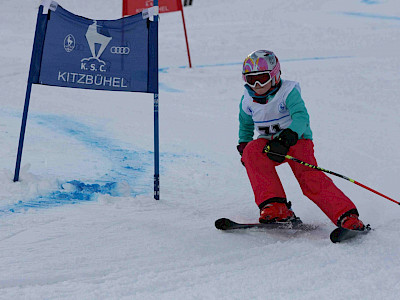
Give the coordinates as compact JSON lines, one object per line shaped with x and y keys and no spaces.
{"x":82,"y":224}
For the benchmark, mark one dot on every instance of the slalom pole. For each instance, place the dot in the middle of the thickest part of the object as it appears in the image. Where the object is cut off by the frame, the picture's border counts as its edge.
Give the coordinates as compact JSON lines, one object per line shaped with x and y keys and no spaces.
{"x":333,"y":173}
{"x":184,"y":29}
{"x":156,"y":117}
{"x":22,"y":131}
{"x":33,"y":77}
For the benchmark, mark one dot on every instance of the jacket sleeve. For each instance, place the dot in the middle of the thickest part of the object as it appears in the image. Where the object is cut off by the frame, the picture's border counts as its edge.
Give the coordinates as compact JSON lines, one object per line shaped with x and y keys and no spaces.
{"x":246,"y":125}
{"x":298,"y":112}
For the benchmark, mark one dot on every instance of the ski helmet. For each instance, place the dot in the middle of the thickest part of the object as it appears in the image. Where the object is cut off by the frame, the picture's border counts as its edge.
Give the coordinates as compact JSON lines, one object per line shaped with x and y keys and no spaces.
{"x":263,"y":63}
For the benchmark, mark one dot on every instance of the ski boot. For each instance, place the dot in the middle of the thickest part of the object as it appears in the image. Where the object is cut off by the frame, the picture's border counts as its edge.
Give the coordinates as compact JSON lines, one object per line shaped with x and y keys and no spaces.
{"x":351,"y":222}
{"x":273,"y":212}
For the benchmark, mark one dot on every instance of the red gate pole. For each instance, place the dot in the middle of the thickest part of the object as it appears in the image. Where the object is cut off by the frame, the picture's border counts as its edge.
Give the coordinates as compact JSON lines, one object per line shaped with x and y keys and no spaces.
{"x":124,"y":8}
{"x":184,"y":29}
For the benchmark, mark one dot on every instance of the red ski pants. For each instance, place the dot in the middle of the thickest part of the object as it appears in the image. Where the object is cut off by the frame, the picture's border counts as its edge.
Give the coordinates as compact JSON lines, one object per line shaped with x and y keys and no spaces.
{"x":315,"y":184}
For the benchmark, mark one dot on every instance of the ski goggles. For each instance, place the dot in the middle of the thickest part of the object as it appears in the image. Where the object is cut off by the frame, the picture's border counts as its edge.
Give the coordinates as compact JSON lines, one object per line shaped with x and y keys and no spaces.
{"x":262,"y":78}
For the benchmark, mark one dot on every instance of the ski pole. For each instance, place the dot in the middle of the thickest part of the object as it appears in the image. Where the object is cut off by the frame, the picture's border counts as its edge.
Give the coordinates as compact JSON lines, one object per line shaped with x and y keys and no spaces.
{"x":333,"y":173}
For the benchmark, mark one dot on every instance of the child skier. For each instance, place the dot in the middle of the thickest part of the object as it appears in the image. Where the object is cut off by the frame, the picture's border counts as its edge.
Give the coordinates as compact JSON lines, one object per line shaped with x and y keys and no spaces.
{"x":278,"y":111}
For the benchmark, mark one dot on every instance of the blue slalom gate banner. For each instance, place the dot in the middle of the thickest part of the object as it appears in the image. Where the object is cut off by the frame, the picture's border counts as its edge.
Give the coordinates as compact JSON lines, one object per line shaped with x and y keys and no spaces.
{"x":77,"y":52}
{"x":103,"y":55}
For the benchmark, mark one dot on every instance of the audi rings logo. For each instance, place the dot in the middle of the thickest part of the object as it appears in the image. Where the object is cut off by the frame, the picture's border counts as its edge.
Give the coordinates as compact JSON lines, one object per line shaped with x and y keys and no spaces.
{"x":120,"y":50}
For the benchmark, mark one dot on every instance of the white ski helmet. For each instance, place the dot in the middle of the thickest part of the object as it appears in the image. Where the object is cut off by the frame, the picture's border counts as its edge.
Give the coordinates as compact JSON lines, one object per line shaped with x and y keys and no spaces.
{"x":264,"y":63}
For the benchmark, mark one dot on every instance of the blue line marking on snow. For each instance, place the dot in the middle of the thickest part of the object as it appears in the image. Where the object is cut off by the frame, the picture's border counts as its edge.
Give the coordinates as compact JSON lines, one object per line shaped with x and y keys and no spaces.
{"x":166,"y":88}
{"x":370,"y":1}
{"x":133,"y":167}
{"x":82,"y":189}
{"x":127,"y":165}
{"x":315,"y":58}
{"x":373,"y":16}
{"x":80,"y":192}
{"x":166,"y":69}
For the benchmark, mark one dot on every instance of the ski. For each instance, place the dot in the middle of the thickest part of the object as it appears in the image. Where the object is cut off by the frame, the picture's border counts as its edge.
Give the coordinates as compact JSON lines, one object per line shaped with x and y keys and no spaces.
{"x":338,"y":235}
{"x":341,"y":234}
{"x":227,"y":224}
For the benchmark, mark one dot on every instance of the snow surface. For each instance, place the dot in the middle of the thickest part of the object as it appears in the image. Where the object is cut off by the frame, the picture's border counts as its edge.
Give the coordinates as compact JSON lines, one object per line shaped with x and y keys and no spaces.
{"x":82,"y":223}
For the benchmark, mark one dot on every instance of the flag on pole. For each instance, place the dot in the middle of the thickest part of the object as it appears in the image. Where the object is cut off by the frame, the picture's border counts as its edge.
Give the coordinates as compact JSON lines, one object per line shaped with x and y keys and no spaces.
{"x":131,"y":7}
{"x":77,"y":52}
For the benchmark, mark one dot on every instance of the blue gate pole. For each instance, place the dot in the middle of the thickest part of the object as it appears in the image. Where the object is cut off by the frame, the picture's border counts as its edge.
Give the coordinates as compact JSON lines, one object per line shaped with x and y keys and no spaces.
{"x":156,"y":151}
{"x":22,"y":132}
{"x":156,"y":125}
{"x":34,"y":70}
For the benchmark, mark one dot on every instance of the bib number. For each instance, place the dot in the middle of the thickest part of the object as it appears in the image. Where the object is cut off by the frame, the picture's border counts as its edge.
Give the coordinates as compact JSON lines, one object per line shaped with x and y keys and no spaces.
{"x":272,"y":129}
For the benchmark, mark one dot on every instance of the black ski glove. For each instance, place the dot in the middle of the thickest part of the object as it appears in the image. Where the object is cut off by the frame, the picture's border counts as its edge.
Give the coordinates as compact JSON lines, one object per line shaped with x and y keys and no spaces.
{"x":240,"y":147}
{"x":281,"y":145}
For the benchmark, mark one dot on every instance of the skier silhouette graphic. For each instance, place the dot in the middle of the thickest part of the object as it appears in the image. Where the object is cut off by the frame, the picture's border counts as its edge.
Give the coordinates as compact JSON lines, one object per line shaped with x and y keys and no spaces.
{"x":93,"y":37}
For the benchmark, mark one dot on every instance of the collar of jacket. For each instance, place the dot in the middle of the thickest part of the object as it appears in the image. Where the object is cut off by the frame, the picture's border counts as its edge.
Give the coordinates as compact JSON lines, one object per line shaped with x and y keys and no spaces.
{"x":262,"y":99}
